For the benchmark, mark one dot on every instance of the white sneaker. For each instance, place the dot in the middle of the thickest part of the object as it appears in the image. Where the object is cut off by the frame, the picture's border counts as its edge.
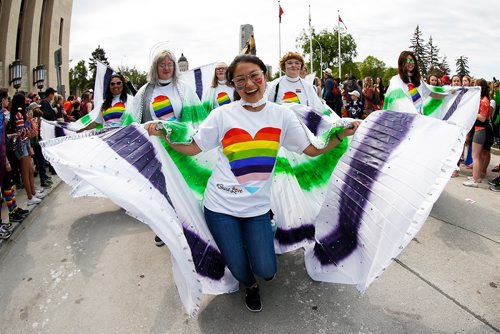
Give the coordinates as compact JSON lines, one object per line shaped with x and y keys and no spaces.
{"x":39,"y":195}
{"x":471,"y":183}
{"x":34,"y":200}
{"x":39,"y":190}
{"x":470,"y":178}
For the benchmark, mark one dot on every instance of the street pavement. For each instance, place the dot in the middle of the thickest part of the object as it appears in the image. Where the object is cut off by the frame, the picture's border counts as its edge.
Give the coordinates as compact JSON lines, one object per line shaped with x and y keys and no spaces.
{"x":83,"y":266}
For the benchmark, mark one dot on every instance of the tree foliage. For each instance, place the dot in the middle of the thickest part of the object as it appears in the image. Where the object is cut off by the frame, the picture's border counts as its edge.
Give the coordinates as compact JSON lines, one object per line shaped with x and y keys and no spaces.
{"x":97,"y":54}
{"x":419,"y":49}
{"x":462,"y":66}
{"x":372,"y":67}
{"x":78,"y":78}
{"x":328,"y":52}
{"x":432,"y":56}
{"x":137,"y":77}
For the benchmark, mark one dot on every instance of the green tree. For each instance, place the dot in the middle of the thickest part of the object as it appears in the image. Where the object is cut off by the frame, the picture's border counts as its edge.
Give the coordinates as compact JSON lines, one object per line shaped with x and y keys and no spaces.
{"x":418,"y":48}
{"x":462,"y":66}
{"x":372,"y":67}
{"x":329,"y":47}
{"x":98,"y":54}
{"x":432,"y":56}
{"x":137,"y":77}
{"x":78,"y":78}
{"x":388,"y":74}
{"x":443,"y":67}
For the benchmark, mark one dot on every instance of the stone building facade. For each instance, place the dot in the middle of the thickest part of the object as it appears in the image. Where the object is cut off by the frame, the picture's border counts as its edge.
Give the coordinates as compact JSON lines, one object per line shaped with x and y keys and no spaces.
{"x":35,"y":32}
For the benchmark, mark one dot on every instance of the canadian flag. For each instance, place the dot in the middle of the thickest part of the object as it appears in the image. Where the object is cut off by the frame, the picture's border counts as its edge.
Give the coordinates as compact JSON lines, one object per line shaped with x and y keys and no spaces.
{"x":340,"y":21}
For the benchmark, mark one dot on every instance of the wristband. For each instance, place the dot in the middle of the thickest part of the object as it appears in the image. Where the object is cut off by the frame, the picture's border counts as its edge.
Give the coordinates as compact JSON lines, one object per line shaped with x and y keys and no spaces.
{"x":337,"y":135}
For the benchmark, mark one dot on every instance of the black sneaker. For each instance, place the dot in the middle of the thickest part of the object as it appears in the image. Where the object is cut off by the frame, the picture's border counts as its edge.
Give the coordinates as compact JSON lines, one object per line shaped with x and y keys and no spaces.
{"x":4,"y":234}
{"x":21,"y":211}
{"x":15,"y":217}
{"x":6,"y":226}
{"x":495,"y":188}
{"x":46,"y":184}
{"x":252,"y":299}
{"x":158,"y":241}
{"x":495,"y":181}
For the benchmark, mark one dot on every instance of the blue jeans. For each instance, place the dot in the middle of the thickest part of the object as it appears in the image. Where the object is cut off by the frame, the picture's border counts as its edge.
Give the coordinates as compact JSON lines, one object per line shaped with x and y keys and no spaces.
{"x":247,"y":244}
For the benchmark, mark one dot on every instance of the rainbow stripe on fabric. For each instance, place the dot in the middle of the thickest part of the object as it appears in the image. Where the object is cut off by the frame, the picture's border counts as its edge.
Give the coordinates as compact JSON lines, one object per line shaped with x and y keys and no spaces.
{"x":251,"y":159}
{"x":223,"y":98}
{"x":291,"y":97}
{"x":162,"y":107}
{"x":114,"y":113}
{"x":415,"y":97}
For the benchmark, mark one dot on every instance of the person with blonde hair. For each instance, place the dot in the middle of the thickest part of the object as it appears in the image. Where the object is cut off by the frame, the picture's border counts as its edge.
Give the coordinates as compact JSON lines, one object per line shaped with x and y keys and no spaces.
{"x":220,"y":92}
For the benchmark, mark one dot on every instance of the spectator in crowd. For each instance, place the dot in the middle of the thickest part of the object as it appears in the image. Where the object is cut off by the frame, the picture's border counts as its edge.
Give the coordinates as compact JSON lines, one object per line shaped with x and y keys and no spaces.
{"x":456,"y":81}
{"x":17,"y":127}
{"x":35,"y":115}
{"x":68,"y":107}
{"x":332,"y":93}
{"x":380,"y":91}
{"x":49,"y":113}
{"x":58,"y":105}
{"x":76,"y":113}
{"x":432,"y":80}
{"x":354,"y":106}
{"x":370,"y":99}
{"x":86,"y":104}
{"x":482,"y":140}
{"x":466,"y":81}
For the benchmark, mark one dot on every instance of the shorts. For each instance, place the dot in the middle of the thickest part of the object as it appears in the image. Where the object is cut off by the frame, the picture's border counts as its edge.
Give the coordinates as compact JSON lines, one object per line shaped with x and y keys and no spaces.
{"x":22,"y":151}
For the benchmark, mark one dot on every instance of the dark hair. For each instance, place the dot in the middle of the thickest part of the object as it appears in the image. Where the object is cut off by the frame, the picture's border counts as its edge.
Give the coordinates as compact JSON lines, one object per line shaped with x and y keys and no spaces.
{"x":108,"y":96}
{"x":429,"y":78}
{"x":71,"y":98}
{"x":485,"y":89}
{"x":4,"y":93}
{"x":18,"y":105}
{"x":76,"y":104}
{"x":243,"y":59}
{"x":415,"y":77}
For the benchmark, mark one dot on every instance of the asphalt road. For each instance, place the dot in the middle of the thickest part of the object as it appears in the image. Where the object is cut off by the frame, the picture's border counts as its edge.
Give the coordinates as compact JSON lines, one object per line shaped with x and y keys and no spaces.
{"x":84,"y":266}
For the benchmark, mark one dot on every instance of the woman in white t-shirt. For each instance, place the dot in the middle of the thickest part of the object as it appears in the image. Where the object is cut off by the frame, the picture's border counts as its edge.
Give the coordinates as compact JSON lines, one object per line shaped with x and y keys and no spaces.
{"x":247,"y":134}
{"x":220,"y":92}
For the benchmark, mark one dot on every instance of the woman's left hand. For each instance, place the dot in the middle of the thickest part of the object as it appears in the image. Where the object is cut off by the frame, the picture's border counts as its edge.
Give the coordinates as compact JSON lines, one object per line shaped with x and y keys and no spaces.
{"x":152,"y":131}
{"x":349,"y":132}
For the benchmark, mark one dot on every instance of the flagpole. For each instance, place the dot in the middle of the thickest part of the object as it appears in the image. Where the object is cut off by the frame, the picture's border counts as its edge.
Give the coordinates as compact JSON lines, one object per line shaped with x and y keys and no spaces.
{"x":310,"y":39}
{"x":340,"y":58}
{"x":279,"y":33}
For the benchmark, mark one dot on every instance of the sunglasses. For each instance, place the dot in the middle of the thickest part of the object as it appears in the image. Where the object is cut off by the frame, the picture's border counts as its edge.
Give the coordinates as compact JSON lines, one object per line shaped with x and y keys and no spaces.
{"x":410,"y":61}
{"x":117,"y":83}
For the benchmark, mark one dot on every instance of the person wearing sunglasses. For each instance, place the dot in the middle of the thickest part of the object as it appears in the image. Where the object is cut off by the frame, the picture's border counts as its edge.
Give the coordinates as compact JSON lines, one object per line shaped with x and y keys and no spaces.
{"x":220,"y":91}
{"x":114,"y":105}
{"x":408,"y":82}
{"x":247,"y":135}
{"x":291,"y":87}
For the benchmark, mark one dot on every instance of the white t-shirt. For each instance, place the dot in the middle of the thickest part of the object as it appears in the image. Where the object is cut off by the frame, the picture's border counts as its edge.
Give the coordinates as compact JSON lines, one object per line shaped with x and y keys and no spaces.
{"x":165,"y":103}
{"x":112,"y":115}
{"x":291,"y":92}
{"x":248,"y":144}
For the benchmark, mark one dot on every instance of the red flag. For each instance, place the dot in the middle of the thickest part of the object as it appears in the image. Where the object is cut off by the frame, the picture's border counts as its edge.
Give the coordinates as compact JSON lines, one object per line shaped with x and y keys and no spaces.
{"x":280,"y":12}
{"x":340,"y":21}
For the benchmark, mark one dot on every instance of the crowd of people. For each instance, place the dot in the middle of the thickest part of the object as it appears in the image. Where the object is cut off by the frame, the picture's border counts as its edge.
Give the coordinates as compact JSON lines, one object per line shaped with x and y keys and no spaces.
{"x":166,"y":97}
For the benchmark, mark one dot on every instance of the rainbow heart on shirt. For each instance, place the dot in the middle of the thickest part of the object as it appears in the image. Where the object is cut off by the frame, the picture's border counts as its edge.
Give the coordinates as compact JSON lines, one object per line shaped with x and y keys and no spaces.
{"x":251,"y":158}
{"x":162,"y":107}
{"x":223,"y":98}
{"x":291,"y":97}
{"x":114,"y":113}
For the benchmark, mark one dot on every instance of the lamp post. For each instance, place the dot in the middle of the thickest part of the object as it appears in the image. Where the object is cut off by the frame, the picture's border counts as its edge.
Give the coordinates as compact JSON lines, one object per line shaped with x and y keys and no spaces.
{"x":16,"y":74}
{"x":320,"y":56}
{"x":39,"y":76}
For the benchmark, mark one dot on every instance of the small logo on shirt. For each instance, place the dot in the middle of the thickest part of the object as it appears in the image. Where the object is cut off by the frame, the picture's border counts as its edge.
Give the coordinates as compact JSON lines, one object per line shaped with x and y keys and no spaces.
{"x":232,"y":190}
{"x":298,"y":90}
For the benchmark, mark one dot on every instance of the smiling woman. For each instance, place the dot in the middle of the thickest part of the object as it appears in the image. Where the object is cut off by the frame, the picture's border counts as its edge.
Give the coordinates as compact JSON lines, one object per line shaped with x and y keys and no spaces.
{"x":247,"y":135}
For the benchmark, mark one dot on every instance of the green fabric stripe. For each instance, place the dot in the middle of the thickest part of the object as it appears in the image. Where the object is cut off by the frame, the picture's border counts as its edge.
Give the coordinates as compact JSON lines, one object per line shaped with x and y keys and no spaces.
{"x":432,"y":105}
{"x":194,"y":114}
{"x":86,"y":120}
{"x":393,"y":96}
{"x":127,"y":119}
{"x":314,"y":173}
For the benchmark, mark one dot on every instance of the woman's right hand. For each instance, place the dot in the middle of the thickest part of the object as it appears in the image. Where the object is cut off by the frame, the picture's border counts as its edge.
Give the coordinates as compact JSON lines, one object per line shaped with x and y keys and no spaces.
{"x":152,"y":130}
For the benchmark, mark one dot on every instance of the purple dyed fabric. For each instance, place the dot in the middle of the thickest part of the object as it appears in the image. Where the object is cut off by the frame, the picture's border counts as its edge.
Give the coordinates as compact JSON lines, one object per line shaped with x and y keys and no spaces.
{"x":312,"y":121}
{"x":455,"y":104}
{"x":198,"y":82}
{"x":136,"y":149}
{"x":386,"y":132}
{"x":208,"y":261}
{"x":295,"y":235}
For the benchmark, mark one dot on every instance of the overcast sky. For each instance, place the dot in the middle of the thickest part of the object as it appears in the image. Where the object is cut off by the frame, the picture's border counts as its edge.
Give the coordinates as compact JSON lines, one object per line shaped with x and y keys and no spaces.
{"x":208,"y":31}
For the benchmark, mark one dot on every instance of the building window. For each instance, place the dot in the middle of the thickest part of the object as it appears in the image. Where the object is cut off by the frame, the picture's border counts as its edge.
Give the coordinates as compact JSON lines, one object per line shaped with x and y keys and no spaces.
{"x":61,"y":27}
